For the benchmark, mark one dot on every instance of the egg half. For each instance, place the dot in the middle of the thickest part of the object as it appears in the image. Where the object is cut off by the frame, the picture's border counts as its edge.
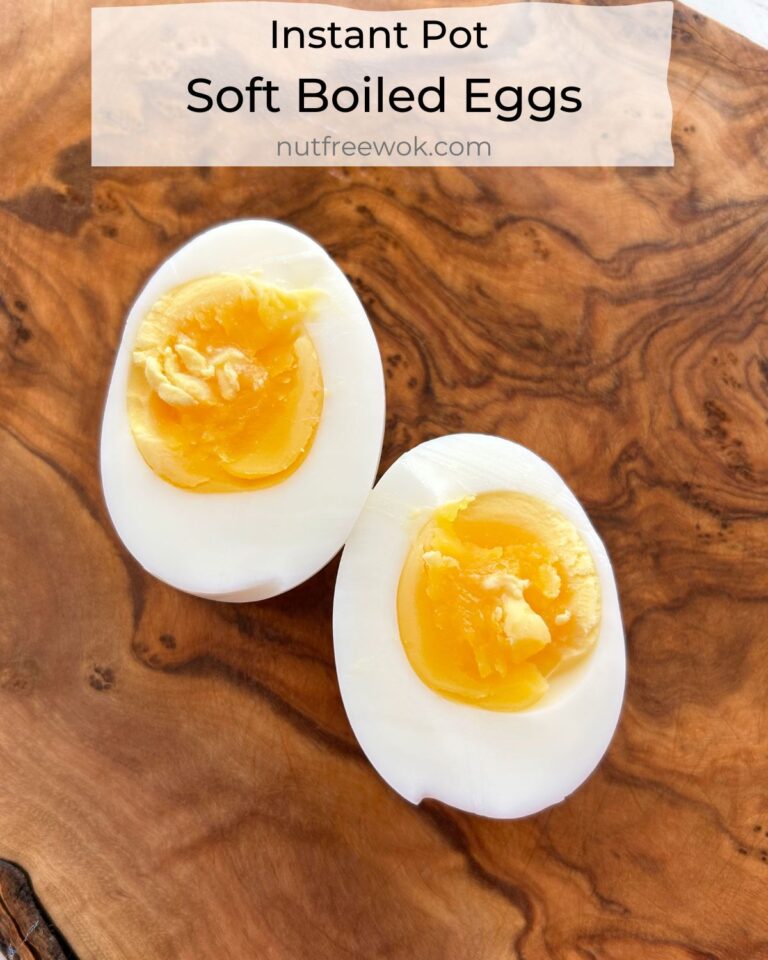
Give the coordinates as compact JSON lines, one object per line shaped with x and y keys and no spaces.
{"x":477,"y":630}
{"x":245,"y":414}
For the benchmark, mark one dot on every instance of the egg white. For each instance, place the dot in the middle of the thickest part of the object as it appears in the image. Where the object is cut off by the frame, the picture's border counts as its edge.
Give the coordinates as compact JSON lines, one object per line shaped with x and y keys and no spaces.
{"x":252,"y":545}
{"x":498,"y":764}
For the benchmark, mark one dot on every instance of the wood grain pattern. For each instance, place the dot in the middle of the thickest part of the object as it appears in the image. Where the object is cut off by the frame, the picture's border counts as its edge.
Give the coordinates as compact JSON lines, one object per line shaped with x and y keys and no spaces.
{"x":178,"y":776}
{"x":25,"y":931}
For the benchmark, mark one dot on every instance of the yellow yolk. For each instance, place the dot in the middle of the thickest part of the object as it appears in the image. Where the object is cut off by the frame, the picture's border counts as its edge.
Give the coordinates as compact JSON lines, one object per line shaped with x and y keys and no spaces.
{"x":497,"y":592}
{"x":225,"y":390}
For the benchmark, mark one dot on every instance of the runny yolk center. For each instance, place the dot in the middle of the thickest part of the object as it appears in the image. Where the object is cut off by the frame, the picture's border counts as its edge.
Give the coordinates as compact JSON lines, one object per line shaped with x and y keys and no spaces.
{"x":225,"y":390}
{"x":497,"y":593}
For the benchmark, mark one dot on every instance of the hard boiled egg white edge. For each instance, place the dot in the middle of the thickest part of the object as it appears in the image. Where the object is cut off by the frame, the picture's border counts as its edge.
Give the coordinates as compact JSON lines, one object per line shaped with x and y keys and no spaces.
{"x":255,"y":544}
{"x":498,"y":764}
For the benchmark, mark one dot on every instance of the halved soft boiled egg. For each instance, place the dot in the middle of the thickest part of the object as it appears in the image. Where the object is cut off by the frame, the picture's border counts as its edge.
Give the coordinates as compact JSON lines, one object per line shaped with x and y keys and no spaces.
{"x":477,"y":630}
{"x":245,"y":416}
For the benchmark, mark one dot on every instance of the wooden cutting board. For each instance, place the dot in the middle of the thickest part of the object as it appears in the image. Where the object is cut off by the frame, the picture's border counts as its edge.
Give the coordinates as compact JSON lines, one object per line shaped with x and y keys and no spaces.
{"x":178,"y":777}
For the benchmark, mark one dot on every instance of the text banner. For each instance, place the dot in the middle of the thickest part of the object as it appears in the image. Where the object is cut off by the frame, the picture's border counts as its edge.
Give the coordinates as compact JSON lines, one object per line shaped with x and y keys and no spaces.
{"x":289,"y":84}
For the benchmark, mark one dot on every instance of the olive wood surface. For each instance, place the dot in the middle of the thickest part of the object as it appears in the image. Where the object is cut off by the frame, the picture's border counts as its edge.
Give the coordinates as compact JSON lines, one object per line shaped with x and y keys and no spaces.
{"x":178,"y":776}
